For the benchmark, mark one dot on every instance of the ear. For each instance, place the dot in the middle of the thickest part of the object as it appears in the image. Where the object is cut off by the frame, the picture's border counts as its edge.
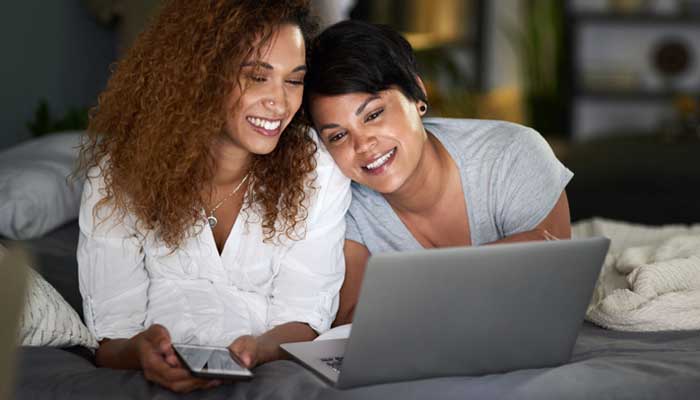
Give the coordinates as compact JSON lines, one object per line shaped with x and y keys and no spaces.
{"x":422,"y":86}
{"x":420,"y":106}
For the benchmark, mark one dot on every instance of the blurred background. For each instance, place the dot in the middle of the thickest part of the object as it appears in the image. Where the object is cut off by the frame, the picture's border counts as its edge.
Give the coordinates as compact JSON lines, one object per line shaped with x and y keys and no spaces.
{"x":613,"y":85}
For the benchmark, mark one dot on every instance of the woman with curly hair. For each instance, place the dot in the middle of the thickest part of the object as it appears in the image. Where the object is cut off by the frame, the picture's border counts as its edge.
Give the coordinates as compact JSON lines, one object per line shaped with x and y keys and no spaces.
{"x":210,"y":215}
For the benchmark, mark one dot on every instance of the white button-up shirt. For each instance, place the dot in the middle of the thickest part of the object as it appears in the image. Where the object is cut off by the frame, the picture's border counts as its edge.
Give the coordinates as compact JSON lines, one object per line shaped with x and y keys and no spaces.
{"x":130,"y":280}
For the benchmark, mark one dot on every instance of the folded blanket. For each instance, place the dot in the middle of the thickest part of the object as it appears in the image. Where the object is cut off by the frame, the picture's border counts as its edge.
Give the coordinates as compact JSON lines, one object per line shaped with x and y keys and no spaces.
{"x":650,"y":280}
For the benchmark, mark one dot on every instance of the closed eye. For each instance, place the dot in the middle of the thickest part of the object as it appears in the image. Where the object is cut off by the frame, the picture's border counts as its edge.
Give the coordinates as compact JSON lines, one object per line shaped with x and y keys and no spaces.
{"x":295,"y":82}
{"x":374,"y":115}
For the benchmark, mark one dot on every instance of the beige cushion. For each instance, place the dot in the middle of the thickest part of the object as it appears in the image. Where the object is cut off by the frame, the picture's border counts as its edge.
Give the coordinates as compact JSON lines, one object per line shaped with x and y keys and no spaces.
{"x":47,"y":319}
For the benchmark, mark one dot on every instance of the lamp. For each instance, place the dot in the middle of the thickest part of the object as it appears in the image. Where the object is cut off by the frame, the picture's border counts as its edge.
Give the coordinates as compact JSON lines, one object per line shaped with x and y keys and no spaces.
{"x":424,"y":23}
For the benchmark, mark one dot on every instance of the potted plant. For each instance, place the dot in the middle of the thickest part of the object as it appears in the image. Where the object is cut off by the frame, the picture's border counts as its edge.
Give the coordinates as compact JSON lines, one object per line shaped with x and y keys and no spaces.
{"x":540,"y":43}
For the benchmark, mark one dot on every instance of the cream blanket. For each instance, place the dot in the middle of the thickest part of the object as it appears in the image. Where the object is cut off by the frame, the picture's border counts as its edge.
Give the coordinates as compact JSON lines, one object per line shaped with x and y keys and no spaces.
{"x":650,"y":280}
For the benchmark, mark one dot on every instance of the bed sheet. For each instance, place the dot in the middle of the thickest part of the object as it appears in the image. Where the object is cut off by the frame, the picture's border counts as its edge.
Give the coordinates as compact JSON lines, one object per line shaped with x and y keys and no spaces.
{"x":605,"y":365}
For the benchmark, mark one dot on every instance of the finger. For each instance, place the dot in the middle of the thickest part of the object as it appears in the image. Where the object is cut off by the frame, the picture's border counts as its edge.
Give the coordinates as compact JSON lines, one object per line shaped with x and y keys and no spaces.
{"x":246,"y":357}
{"x":236,"y":348}
{"x":180,"y":380}
{"x":156,"y":366}
{"x":168,"y":354}
{"x":186,"y":386}
{"x":212,"y":384}
{"x":175,"y":374}
{"x":237,"y":345}
{"x":549,"y":236}
{"x":159,"y":333}
{"x":172,"y":361}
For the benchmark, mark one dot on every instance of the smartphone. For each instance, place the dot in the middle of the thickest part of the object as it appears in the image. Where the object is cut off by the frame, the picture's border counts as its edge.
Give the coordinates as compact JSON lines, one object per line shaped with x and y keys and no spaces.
{"x":211,"y":362}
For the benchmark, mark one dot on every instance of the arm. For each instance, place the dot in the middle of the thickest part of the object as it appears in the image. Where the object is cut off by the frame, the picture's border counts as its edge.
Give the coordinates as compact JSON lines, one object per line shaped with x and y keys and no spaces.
{"x":151,"y":351}
{"x":251,"y":350}
{"x":528,"y":195}
{"x":118,"y":353}
{"x":113,"y":282}
{"x":304,"y":298}
{"x":356,"y":256}
{"x":556,"y":225}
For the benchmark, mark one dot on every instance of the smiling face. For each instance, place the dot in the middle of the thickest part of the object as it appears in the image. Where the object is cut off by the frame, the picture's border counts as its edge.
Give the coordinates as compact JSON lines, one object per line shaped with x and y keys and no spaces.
{"x":268,"y":95}
{"x":377,"y":140}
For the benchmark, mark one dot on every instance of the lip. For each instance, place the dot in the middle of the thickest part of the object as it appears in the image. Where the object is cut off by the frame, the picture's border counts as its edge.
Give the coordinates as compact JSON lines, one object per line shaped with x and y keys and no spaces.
{"x":383,"y":168}
{"x":263,"y":131}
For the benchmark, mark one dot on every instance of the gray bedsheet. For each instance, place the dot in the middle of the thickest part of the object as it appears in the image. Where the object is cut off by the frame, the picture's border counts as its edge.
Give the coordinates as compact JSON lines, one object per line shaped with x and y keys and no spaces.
{"x":605,"y":365}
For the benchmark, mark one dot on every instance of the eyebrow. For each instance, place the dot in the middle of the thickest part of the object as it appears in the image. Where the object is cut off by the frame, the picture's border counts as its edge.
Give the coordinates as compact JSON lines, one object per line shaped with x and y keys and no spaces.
{"x":357,"y":112}
{"x":328,"y":126}
{"x":364,"y":104}
{"x":268,"y":66}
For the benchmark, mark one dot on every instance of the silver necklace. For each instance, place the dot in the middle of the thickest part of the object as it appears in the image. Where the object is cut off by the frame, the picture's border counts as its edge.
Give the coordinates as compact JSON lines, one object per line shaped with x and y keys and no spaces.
{"x":211,"y":219}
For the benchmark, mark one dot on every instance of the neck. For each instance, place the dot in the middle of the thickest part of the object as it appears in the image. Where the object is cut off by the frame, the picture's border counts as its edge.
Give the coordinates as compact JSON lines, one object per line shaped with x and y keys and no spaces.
{"x":231,"y":163}
{"x":425,"y":188}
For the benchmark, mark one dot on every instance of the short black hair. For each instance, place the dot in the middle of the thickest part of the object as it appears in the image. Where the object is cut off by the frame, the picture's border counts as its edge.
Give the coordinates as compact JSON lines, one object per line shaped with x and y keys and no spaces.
{"x":359,"y":57}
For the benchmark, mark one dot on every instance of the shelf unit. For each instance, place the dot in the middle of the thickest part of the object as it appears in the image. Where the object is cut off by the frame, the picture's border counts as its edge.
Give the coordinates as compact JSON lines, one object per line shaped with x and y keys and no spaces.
{"x":577,"y":20}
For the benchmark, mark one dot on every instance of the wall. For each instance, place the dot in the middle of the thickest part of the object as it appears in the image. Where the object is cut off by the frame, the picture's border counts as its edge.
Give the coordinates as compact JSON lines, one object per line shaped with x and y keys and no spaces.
{"x":502,"y":70}
{"x":52,"y":50}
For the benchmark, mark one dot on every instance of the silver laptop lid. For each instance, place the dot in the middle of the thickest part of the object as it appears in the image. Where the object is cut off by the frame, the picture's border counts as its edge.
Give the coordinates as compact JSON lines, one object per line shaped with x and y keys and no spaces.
{"x":13,"y":282}
{"x":470,"y":311}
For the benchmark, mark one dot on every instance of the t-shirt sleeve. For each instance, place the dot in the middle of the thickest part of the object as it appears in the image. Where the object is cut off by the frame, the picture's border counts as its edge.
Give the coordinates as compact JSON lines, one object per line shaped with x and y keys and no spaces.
{"x":352,"y":228}
{"x":530,"y":180}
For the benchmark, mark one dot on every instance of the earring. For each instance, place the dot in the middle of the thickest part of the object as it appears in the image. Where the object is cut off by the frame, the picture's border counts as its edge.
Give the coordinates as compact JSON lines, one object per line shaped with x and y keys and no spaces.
{"x":423,"y":108}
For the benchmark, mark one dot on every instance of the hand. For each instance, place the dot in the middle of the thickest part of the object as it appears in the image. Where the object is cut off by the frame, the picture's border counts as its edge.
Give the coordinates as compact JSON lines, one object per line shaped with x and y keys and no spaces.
{"x":536,"y":234}
{"x":161,"y":365}
{"x":246,"y":350}
{"x":548,"y":236}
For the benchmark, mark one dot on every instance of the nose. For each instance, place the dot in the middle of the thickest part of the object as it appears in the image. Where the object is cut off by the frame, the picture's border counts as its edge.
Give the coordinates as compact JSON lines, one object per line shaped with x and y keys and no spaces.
{"x":364,"y":142}
{"x":276,"y":101}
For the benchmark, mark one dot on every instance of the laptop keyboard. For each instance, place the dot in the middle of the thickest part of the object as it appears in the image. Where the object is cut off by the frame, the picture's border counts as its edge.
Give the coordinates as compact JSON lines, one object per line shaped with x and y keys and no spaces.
{"x":334,"y":362}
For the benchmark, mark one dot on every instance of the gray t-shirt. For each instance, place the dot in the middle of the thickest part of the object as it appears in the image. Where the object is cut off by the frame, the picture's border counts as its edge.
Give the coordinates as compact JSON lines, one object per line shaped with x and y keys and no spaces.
{"x":510,"y":177}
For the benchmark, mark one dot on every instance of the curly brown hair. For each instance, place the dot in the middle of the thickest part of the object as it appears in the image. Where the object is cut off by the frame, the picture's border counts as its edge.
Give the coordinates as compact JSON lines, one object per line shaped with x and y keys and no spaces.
{"x":164,"y":106}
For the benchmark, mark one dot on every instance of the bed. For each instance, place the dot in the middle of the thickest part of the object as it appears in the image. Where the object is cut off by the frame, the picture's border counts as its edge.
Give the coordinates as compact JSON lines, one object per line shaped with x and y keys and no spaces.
{"x":605,"y":364}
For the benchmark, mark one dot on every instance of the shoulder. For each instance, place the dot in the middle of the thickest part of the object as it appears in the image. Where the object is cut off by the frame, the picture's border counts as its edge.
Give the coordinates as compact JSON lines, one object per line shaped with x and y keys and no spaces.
{"x":366,"y":204}
{"x":476,"y":139}
{"x":327,"y":172}
{"x":465,"y":132}
{"x":331,"y":189}
{"x":95,"y":188}
{"x":98,"y":216}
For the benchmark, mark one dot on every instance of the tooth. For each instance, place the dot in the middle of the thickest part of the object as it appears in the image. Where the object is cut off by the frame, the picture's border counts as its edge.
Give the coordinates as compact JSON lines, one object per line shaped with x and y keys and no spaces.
{"x":267,"y":125}
{"x":381,"y":160}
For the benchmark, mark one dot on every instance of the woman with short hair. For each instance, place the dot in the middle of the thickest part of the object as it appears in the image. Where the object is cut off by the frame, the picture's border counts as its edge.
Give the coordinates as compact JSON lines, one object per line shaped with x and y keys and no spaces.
{"x":422,"y":182}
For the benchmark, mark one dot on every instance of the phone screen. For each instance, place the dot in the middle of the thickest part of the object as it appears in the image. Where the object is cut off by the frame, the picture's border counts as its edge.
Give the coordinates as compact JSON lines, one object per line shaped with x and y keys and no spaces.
{"x":211,"y":362}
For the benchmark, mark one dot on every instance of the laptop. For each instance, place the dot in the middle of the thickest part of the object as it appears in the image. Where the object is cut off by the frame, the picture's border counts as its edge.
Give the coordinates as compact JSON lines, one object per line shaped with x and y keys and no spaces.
{"x":462,"y":311}
{"x":13,"y":282}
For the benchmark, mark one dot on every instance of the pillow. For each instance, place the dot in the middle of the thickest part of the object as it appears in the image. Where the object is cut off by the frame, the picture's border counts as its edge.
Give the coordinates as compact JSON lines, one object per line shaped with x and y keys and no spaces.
{"x":35,"y":196}
{"x":47,"y":319}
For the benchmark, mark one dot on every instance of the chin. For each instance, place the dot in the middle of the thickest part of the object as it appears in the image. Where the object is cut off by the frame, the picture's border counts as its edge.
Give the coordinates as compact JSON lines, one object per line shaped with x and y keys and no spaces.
{"x":262,"y":149}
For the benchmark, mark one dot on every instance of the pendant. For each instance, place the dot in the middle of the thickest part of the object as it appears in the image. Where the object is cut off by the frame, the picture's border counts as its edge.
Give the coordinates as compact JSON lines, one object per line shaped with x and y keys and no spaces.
{"x":212,"y":221}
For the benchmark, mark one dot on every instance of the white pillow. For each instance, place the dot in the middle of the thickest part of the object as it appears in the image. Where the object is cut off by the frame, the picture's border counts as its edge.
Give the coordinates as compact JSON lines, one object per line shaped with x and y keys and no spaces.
{"x":35,"y":196}
{"x":47,"y":319}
